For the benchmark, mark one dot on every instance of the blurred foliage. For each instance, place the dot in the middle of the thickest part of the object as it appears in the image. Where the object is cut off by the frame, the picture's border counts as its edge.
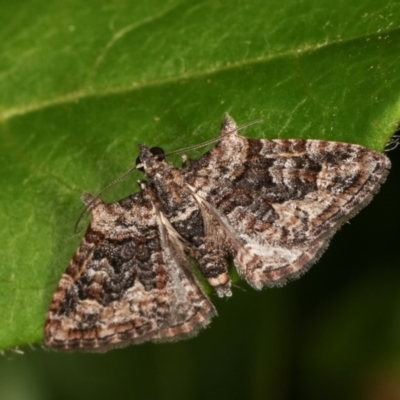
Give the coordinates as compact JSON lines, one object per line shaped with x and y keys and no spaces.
{"x":81,"y":83}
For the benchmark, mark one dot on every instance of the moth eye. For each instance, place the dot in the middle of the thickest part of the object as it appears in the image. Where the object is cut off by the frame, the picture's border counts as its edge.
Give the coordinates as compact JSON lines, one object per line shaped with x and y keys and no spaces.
{"x":157,"y":152}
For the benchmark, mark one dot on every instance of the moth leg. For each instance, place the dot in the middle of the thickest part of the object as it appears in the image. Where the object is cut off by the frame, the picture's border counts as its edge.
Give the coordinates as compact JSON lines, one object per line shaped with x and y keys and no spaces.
{"x":213,"y":265}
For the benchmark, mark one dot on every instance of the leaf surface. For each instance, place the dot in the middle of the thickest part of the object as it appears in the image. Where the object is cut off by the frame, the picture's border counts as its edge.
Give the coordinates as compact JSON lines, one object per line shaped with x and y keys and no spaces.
{"x":82,"y":83}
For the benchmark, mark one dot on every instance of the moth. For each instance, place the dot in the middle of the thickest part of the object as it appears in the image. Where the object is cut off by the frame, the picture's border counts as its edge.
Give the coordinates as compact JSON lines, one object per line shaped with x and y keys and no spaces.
{"x":270,"y":205}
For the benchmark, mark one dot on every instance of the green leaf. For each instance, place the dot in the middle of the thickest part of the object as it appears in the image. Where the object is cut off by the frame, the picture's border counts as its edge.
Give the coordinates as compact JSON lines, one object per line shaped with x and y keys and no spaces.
{"x":82,"y":83}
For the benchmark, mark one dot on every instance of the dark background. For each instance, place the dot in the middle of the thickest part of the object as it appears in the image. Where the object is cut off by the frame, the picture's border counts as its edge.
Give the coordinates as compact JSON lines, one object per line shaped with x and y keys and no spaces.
{"x":334,"y":333}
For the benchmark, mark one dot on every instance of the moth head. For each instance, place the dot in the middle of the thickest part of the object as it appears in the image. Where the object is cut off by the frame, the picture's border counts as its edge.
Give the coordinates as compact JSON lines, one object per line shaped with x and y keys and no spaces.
{"x":149,"y":157}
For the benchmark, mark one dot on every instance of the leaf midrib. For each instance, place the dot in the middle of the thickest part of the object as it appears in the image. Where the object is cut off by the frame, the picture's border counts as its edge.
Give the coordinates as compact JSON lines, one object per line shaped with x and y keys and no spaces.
{"x":81,"y":94}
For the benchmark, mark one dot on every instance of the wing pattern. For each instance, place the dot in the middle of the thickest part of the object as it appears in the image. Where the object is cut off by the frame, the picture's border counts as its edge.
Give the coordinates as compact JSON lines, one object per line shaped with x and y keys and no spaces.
{"x":278,"y":202}
{"x":272,"y":205}
{"x":128,"y":282}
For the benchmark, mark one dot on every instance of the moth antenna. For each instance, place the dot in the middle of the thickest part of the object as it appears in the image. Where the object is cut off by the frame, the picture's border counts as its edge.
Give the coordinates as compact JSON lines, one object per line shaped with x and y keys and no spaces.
{"x":97,"y":196}
{"x":393,"y":143}
{"x":211,"y":141}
